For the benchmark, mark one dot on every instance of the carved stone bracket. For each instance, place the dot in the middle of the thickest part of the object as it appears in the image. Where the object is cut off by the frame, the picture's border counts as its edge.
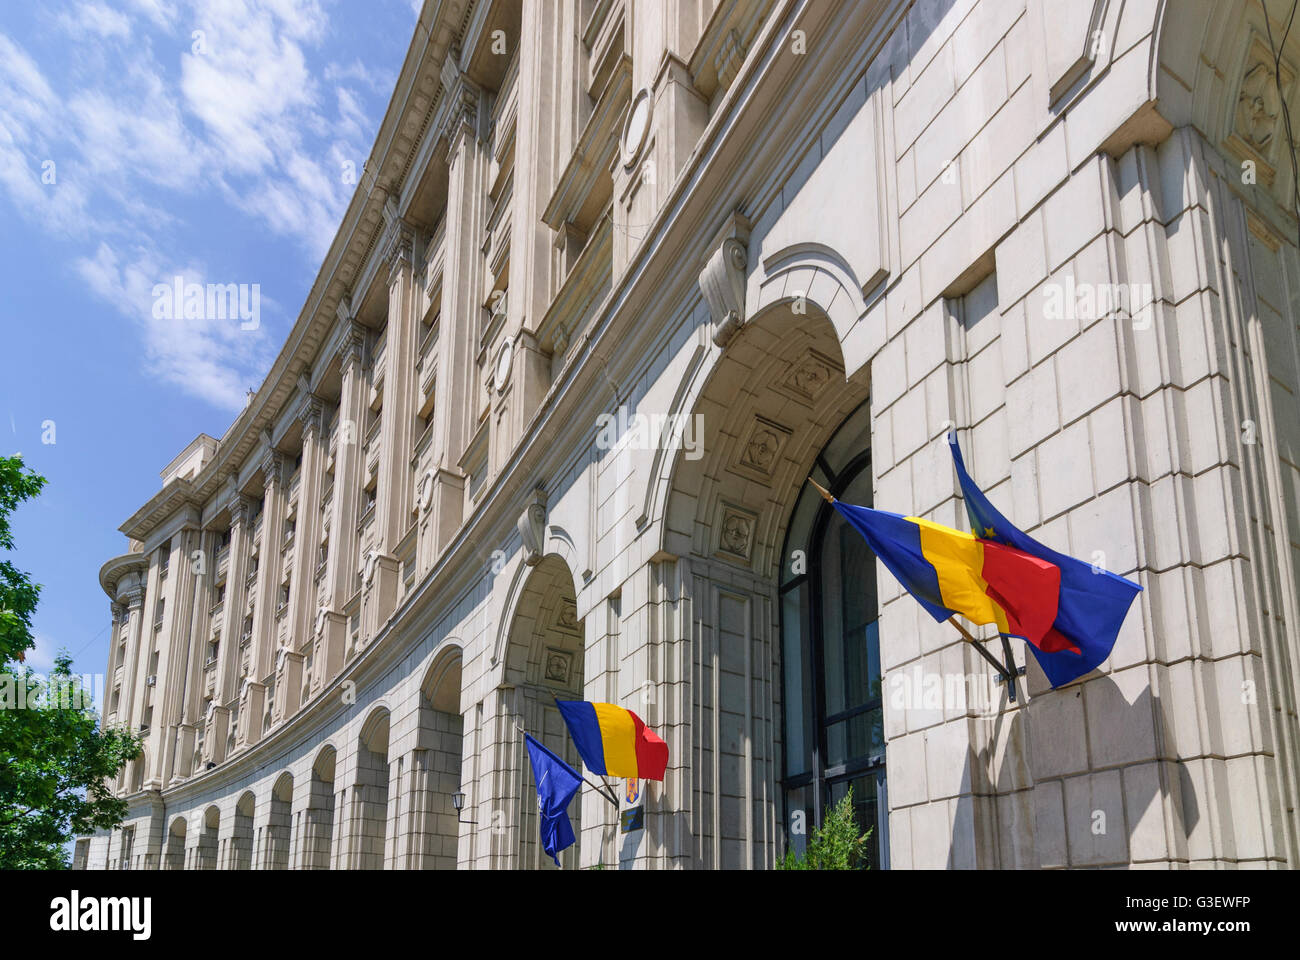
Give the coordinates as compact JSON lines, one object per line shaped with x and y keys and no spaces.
{"x":532,"y":529}
{"x":722,"y":281}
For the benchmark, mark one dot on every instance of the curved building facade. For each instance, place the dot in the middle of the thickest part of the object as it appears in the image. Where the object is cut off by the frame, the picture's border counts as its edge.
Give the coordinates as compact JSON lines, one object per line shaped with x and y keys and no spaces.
{"x":618,"y":278}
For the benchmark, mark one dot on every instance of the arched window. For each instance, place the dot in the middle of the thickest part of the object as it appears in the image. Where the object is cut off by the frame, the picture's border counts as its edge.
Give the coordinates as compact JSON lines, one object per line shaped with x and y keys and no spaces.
{"x":833,"y":711}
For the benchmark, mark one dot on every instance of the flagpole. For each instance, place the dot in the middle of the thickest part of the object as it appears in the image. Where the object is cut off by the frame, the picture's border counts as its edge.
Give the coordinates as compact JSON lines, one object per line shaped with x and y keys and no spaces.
{"x":608,"y":796}
{"x":826,"y":494}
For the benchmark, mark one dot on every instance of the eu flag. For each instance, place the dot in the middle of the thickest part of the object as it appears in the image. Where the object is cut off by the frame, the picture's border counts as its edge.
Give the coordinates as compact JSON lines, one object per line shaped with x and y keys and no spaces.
{"x":557,"y":782}
{"x":1092,"y":604}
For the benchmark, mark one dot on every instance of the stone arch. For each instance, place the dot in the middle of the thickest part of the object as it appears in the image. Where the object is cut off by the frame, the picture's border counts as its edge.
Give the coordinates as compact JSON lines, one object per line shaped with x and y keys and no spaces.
{"x":279,"y":824}
{"x":767,"y":405}
{"x":239,"y":855}
{"x":174,"y":848}
{"x":1211,"y":68}
{"x":431,"y":832}
{"x":206,"y":854}
{"x":368,"y":815}
{"x":315,"y":826}
{"x":542,"y":657}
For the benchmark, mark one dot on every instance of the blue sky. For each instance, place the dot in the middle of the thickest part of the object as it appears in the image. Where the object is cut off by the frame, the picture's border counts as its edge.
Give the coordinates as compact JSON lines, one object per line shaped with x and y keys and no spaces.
{"x":142,"y":140}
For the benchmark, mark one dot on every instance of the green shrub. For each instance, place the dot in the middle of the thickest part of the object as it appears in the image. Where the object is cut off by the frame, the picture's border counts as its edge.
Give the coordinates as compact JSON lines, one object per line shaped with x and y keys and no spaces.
{"x":835,"y":845}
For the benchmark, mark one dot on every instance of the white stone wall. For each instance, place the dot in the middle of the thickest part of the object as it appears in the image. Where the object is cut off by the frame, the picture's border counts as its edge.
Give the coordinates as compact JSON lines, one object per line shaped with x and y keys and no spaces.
{"x":908,"y":206}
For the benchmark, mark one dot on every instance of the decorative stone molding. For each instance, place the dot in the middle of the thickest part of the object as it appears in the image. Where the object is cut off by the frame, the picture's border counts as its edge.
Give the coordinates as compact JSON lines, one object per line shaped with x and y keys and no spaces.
{"x":425,"y":495}
{"x":311,"y":414}
{"x":133,"y":597}
{"x":735,"y":533}
{"x":532,"y":529}
{"x":809,"y":376}
{"x":352,"y":346}
{"x":1257,"y":112}
{"x":462,"y":102}
{"x":760,"y":452}
{"x":272,"y":467}
{"x":240,"y":509}
{"x":558,"y":667}
{"x":722,"y":281}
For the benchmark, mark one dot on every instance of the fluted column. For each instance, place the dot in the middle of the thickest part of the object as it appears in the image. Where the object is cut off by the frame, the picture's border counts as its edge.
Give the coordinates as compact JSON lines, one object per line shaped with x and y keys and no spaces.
{"x":462,"y":284}
{"x":302,"y":592}
{"x":232,"y":607}
{"x":134,"y":599}
{"x":340,"y":571}
{"x":265,"y":621}
{"x":116,"y":611}
{"x":176,"y":652}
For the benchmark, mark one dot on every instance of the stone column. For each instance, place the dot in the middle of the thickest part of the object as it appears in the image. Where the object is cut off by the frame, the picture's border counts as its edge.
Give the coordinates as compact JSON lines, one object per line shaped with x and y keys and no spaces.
{"x":340,"y":571}
{"x":462,"y":291}
{"x":232,"y":607}
{"x":302,"y":592}
{"x":134,"y":599}
{"x":177,"y":651}
{"x":265,"y":619}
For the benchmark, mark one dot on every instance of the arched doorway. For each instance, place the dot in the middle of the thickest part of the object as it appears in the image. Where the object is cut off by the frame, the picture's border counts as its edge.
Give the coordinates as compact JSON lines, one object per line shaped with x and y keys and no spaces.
{"x":833,"y":726}
{"x":205,"y":856}
{"x":544,"y":660}
{"x":275,"y":850}
{"x":240,"y":854}
{"x":434,"y":830}
{"x":174,"y":851}
{"x":369,"y":822}
{"x":316,"y":825}
{"x":765,"y":409}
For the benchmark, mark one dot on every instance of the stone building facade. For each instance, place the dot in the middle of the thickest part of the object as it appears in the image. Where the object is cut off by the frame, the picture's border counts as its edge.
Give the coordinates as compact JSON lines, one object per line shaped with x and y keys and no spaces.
{"x":619,"y":275}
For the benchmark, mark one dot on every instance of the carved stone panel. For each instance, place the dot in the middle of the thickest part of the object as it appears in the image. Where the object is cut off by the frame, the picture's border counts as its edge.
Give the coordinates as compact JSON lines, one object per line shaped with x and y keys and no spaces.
{"x":760,"y":449}
{"x":734,"y":533}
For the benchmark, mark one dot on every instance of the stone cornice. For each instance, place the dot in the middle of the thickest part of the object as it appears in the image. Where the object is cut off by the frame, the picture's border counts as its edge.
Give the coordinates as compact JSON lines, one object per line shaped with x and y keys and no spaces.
{"x":117,"y":568}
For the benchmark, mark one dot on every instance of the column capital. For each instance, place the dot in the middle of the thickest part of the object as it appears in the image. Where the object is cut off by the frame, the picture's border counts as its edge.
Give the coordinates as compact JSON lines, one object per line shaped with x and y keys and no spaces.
{"x":272,"y":468}
{"x":352,"y":345}
{"x":241,"y":508}
{"x":132,"y":597}
{"x":310,"y":414}
{"x":398,"y":244}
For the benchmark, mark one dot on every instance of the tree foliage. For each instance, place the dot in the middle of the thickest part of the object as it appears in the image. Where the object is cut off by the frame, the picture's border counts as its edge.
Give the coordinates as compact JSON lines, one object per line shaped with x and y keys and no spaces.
{"x":55,"y":762}
{"x":835,"y":845}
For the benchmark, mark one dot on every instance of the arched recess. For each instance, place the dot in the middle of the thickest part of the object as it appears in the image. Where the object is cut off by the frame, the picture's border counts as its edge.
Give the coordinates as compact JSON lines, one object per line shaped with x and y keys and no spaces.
{"x":174,"y":850}
{"x":435,"y":772}
{"x":279,"y":823}
{"x":240,"y":852}
{"x":368,"y":813}
{"x":316,"y":823}
{"x":205,"y":857}
{"x":766,"y":407}
{"x":544,"y":658}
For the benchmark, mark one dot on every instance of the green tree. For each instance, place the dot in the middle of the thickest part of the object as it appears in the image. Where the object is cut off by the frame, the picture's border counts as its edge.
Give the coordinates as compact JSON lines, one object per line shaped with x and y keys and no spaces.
{"x":55,"y":762}
{"x":835,"y":845}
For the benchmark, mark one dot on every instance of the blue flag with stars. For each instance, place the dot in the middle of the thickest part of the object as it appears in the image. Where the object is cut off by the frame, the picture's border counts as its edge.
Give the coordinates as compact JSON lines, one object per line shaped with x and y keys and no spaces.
{"x":1093,"y":604}
{"x":557,"y":782}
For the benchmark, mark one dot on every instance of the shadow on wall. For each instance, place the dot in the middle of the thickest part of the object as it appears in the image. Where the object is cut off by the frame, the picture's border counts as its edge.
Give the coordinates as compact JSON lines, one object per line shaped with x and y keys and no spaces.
{"x":1065,"y":791}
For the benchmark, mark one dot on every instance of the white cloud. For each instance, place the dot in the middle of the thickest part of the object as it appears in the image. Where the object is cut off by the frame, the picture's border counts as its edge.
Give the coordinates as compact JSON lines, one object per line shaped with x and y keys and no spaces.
{"x":211,"y":357}
{"x":134,"y":133}
{"x":97,"y":19}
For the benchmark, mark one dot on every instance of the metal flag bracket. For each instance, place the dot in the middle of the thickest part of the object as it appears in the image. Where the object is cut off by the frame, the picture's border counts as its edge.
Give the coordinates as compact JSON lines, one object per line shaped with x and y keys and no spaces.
{"x":1007,"y":670}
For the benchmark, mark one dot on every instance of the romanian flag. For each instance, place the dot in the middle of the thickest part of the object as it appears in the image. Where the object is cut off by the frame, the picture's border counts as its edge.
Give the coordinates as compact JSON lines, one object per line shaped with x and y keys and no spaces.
{"x":951,"y":572}
{"x":1093,"y":602}
{"x":613,"y":741}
